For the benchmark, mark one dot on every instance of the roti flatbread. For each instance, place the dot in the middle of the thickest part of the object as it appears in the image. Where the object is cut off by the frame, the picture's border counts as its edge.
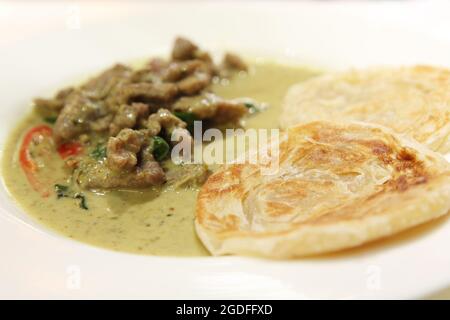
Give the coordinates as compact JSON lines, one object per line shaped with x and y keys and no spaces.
{"x":411,"y":100}
{"x":337,"y":186}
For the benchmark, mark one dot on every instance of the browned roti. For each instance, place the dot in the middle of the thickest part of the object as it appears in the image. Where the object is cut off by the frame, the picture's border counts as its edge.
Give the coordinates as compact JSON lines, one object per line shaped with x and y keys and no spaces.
{"x":338,"y":186}
{"x":412,"y":100}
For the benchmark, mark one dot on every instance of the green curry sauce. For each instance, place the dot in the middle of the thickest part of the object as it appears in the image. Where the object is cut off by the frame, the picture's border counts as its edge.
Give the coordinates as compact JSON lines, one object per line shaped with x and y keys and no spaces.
{"x":154,"y":221}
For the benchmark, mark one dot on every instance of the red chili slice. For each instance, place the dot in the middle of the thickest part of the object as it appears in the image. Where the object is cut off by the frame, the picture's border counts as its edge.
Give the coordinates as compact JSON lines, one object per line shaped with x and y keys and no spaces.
{"x":30,"y":167}
{"x":26,"y":161}
{"x":69,"y":149}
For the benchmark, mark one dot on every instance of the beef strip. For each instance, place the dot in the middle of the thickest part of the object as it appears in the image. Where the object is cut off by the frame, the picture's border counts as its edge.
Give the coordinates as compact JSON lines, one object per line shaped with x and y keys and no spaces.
{"x":157,"y":65}
{"x":144,"y":92}
{"x":201,"y":106}
{"x":77,"y":116}
{"x":101,"y":86}
{"x":174,"y":128}
{"x":208,"y":106}
{"x":204,"y":56}
{"x":129,"y":164}
{"x":51,"y":107}
{"x":145,"y":75}
{"x":191,"y":76}
{"x":152,"y":72}
{"x":102,"y":124}
{"x":164,"y":119}
{"x":150,"y":171}
{"x":122,"y":151}
{"x":229,"y":111}
{"x":194,"y":84}
{"x":234,"y":62}
{"x":176,"y":71}
{"x":85,"y":108}
{"x":183,"y":49}
{"x":184,"y":175}
{"x":128,"y":116}
{"x":97,"y":175}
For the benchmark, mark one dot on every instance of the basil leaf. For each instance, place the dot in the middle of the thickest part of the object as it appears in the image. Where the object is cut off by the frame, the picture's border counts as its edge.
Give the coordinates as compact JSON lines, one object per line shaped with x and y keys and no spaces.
{"x":187,"y":117}
{"x":99,"y":153}
{"x":61,"y":191}
{"x":83,"y":204}
{"x":160,"y":148}
{"x":50,"y":120}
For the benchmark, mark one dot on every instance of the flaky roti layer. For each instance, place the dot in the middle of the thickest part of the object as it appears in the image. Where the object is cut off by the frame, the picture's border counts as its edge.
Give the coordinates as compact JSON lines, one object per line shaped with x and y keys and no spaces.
{"x":411,"y":100}
{"x":337,"y":186}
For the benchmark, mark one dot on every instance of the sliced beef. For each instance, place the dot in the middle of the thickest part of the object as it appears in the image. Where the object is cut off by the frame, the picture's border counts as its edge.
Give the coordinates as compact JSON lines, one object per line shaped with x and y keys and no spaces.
{"x":194,"y":83}
{"x":150,"y":171}
{"x":145,"y":75}
{"x":85,"y":109}
{"x":185,"y":175}
{"x":77,"y":116}
{"x":157,"y":65}
{"x":102,"y":124}
{"x":97,"y":175}
{"x":191,"y":76}
{"x":201,"y":106}
{"x":145,"y":92}
{"x":176,"y":71}
{"x":183,"y":49}
{"x":229,"y":111}
{"x":101,"y":86}
{"x":164,"y":119}
{"x":129,"y":164}
{"x":128,"y":116}
{"x":234,"y":62}
{"x":204,"y":56}
{"x":49,"y":107}
{"x":152,"y":72}
{"x":122,"y":151}
{"x":211,"y":107}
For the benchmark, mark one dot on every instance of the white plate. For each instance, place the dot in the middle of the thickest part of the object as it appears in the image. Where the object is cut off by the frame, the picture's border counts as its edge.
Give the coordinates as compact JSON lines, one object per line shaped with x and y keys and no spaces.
{"x":45,"y":45}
